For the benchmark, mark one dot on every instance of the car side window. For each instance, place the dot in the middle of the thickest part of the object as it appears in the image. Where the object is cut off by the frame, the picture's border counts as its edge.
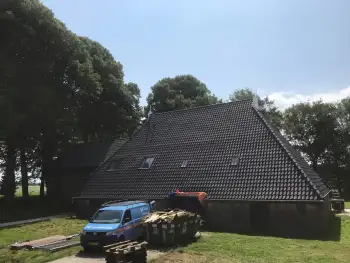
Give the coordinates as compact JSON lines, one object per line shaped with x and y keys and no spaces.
{"x":127,"y":217}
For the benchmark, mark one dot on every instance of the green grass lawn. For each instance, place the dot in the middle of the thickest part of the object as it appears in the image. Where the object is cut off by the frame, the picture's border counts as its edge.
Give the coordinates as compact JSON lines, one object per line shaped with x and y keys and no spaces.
{"x":211,"y":247}
{"x":347,"y":205}
{"x":224,"y":247}
{"x":34,"y":190}
{"x":62,"y":226}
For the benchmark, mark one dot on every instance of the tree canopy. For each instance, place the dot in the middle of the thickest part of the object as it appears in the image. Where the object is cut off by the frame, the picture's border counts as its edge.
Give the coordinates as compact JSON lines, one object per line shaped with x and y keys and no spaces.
{"x":267,"y":106}
{"x":320,"y":131}
{"x":180,"y":92}
{"x":57,"y":88}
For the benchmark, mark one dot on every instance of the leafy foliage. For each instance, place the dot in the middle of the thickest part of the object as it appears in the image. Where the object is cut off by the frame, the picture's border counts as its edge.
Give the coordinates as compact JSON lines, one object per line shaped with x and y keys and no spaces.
{"x":105,"y":106}
{"x":56,"y":89}
{"x":321,"y":132}
{"x":180,"y":92}
{"x":268,"y":106}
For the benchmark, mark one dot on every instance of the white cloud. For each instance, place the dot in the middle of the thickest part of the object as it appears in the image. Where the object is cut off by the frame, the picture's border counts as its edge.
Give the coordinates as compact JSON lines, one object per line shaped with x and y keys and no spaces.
{"x":286,"y":99}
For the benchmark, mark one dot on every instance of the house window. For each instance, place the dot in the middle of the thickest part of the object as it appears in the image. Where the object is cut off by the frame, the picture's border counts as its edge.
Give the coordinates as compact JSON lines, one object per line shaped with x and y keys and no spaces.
{"x":235,"y":161}
{"x":114,"y":164}
{"x":184,"y":164}
{"x":147,"y":162}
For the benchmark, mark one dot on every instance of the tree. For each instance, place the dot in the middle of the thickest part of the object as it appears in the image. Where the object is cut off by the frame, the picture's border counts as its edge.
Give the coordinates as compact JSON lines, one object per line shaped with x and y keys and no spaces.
{"x":268,"y":106}
{"x":105,"y":106}
{"x":56,"y":88}
{"x":336,"y":166}
{"x":180,"y":92}
{"x":133,"y":92}
{"x":310,"y":127}
{"x":35,"y":48}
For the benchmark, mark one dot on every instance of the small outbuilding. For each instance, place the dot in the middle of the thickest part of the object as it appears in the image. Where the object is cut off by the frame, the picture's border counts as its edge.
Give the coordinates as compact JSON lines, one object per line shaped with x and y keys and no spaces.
{"x":74,"y":165}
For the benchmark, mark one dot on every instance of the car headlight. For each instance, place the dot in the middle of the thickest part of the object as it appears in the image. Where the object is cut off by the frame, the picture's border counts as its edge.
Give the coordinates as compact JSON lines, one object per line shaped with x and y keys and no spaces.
{"x":83,"y":233}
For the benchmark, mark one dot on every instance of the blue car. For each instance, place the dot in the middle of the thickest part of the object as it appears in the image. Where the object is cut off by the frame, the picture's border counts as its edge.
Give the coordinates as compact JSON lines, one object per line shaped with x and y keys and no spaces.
{"x":115,"y":222}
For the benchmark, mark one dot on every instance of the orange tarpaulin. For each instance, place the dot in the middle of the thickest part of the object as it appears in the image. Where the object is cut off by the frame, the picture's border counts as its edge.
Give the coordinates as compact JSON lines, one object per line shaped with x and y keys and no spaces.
{"x":201,"y":195}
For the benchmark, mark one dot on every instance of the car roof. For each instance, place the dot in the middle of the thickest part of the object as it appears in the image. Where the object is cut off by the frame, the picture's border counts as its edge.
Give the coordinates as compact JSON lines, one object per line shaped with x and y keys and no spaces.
{"x":123,"y":205}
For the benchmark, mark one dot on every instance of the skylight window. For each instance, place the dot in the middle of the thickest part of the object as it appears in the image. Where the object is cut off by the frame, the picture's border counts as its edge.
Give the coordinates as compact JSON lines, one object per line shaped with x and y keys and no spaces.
{"x":147,"y":162}
{"x":235,"y":161}
{"x":184,"y":164}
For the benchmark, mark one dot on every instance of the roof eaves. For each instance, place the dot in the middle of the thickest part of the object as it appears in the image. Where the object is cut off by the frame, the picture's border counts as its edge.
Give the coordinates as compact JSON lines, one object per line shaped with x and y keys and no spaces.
{"x":268,"y":125}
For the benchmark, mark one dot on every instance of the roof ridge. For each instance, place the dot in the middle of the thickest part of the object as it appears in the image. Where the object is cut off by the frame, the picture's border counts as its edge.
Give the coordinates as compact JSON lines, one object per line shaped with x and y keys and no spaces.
{"x":204,"y":106}
{"x":268,"y":125}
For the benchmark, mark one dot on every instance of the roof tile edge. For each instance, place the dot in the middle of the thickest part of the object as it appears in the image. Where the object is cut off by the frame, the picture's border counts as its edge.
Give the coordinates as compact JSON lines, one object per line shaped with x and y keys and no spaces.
{"x":268,"y":125}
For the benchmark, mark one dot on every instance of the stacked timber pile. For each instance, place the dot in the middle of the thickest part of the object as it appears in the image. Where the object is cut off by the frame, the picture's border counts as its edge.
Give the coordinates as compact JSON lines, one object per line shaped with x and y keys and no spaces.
{"x":127,"y":251}
{"x":170,"y":228}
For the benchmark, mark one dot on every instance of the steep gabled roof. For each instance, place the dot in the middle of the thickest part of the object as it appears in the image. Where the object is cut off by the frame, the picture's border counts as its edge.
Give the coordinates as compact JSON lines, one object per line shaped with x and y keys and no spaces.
{"x":208,"y":137}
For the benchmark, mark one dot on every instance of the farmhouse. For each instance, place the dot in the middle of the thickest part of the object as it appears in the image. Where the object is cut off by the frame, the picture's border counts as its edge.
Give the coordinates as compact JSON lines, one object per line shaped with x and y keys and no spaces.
{"x":253,"y":178}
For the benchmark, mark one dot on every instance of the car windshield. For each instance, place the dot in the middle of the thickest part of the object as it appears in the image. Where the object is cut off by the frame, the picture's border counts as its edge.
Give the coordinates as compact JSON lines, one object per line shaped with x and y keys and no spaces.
{"x":107,"y":216}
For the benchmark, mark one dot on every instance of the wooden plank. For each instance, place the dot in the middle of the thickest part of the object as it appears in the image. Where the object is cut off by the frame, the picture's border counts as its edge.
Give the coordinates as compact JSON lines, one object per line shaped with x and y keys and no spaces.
{"x":38,"y":242}
{"x":122,"y":246}
{"x":115,"y":244}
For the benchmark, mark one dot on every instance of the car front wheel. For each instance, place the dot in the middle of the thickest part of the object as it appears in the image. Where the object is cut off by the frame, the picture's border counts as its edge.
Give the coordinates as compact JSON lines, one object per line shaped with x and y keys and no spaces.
{"x":87,"y":249}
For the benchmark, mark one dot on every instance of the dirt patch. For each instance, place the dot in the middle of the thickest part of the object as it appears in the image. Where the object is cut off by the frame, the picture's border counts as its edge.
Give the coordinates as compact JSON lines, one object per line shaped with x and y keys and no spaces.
{"x":177,"y":257}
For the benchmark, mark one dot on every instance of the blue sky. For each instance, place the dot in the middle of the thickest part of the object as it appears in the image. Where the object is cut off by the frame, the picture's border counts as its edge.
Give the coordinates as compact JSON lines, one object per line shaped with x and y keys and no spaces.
{"x":292,"y":50}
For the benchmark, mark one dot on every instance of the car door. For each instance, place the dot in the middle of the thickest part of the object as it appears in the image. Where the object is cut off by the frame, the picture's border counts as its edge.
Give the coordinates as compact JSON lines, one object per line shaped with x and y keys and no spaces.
{"x":127,"y":225}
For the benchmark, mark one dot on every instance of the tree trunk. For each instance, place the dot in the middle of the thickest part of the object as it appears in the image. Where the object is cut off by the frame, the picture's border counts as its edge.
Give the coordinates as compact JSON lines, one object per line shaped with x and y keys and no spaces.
{"x":42,"y":186}
{"x":24,"y":174}
{"x":9,"y":180}
{"x":85,"y":137}
{"x":46,"y":171}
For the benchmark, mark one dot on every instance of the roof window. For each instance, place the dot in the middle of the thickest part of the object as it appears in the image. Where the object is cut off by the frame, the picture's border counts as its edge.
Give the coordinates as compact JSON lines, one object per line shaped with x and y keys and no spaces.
{"x":235,"y":161}
{"x":147,"y":162}
{"x":184,"y":164}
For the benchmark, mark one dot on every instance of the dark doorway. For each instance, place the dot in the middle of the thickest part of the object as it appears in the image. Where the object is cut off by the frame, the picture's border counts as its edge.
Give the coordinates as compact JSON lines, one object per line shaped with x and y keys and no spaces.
{"x":259,"y":218}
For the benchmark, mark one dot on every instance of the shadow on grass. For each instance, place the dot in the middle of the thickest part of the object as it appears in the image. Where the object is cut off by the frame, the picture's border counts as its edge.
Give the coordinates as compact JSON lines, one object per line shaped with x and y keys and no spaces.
{"x":99,"y":253}
{"x":333,"y":233}
{"x":33,"y":207}
{"x":96,"y":253}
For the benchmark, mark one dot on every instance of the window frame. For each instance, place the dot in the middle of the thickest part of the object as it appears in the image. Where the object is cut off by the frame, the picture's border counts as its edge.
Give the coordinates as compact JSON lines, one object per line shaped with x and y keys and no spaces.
{"x":144,"y":161}
{"x":126,"y":211}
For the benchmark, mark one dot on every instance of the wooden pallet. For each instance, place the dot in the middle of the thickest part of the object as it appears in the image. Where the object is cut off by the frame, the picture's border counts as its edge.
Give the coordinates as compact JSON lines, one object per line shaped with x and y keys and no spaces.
{"x":127,"y":251}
